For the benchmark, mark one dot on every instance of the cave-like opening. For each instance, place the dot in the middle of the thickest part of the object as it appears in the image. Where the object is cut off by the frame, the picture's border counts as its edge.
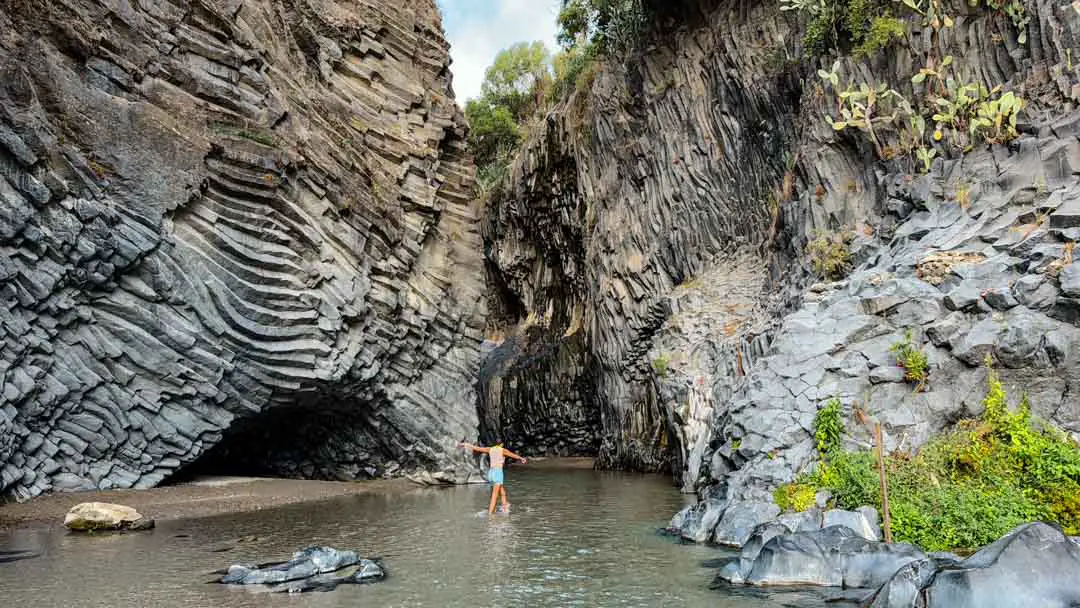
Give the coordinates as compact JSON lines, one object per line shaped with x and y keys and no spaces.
{"x":298,"y":441}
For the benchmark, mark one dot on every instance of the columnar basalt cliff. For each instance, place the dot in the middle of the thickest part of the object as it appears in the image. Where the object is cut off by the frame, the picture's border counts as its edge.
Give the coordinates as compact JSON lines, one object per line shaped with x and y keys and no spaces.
{"x":668,"y":206}
{"x":245,"y":226}
{"x":629,"y":189}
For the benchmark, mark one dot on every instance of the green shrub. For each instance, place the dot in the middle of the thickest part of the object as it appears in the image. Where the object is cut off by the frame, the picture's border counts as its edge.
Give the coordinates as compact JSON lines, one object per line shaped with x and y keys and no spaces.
{"x":830,"y":255}
{"x":612,"y":25}
{"x":882,"y":31}
{"x":862,"y":26}
{"x":661,"y":364}
{"x":851,"y":477}
{"x":967,"y":487}
{"x":795,"y":497}
{"x":829,"y":428}
{"x":913,"y":360}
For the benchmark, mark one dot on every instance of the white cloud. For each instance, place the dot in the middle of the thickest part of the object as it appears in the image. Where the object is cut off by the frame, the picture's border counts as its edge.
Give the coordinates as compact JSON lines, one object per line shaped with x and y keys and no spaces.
{"x":476,"y":34}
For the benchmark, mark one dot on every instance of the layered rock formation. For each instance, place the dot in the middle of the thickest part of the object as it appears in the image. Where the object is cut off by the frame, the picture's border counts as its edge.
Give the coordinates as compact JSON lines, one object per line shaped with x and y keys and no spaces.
{"x":669,"y":206}
{"x":625,"y":192}
{"x":236,"y":224}
{"x":1031,"y":565}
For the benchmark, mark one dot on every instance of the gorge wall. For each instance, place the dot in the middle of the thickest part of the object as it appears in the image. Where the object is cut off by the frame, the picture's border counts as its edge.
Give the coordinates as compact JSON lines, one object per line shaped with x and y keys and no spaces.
{"x":235,"y":231}
{"x":663,"y":213}
{"x":627,"y":191}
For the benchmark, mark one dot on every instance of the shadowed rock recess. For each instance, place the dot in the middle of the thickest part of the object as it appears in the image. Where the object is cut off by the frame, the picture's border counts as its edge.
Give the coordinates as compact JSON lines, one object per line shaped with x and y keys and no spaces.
{"x":241,"y":231}
{"x":660,"y":219}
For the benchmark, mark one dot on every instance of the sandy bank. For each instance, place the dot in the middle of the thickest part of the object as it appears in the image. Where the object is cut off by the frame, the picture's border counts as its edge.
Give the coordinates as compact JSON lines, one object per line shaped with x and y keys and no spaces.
{"x":199,"y":498}
{"x":207,"y":496}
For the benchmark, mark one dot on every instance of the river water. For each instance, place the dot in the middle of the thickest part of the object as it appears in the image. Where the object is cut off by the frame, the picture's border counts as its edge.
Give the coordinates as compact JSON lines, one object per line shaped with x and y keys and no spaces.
{"x":573,"y":538}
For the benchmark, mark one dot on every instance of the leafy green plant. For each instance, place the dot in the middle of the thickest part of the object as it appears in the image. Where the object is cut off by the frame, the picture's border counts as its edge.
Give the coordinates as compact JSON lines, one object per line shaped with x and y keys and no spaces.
{"x":829,"y":428}
{"x":661,"y":365}
{"x":969,"y":113}
{"x":969,"y":486}
{"x":830,"y":254}
{"x":795,"y":497}
{"x":883,"y":30}
{"x":867,"y":108}
{"x":913,"y":360}
{"x":842,"y":25}
{"x":612,"y":25}
{"x":1015,"y":11}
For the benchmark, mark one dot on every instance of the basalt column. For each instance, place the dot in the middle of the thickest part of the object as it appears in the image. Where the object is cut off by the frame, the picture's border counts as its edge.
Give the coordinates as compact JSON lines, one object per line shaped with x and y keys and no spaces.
{"x":236,"y":223}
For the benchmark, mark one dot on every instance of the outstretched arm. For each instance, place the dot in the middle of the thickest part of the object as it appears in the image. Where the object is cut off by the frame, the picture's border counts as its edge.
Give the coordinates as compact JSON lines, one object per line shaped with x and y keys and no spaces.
{"x":474,"y":448}
{"x":510,"y":454}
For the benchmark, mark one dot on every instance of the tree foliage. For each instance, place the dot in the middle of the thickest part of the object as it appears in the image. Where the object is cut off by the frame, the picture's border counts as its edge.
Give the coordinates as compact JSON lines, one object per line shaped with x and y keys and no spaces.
{"x":515,"y":87}
{"x":608,"y":24}
{"x":518,"y":78}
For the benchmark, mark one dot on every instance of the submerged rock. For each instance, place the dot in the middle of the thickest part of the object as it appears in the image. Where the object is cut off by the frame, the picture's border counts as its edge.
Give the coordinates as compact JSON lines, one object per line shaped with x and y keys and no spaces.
{"x":91,"y":516}
{"x":311,"y":569}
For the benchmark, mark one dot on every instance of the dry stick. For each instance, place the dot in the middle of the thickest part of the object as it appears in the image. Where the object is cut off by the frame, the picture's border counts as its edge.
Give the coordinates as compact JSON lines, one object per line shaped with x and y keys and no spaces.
{"x":884,"y":483}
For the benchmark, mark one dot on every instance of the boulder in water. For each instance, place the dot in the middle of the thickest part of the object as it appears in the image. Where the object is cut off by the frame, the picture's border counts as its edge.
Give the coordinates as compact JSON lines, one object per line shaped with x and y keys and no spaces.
{"x":741,"y":519}
{"x":311,"y":569}
{"x":835,"y":556}
{"x":92,"y":516}
{"x":863,"y":521}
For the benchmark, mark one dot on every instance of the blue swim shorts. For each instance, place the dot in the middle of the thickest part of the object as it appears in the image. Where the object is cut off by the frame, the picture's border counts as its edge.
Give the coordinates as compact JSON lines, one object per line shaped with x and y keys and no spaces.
{"x":495,"y":476}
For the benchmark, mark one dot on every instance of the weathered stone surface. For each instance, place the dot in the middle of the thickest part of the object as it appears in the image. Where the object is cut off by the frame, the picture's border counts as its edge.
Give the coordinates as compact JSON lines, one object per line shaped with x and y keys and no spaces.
{"x":91,"y":516}
{"x":857,"y":521}
{"x":1070,"y":280}
{"x":311,"y":569}
{"x":1034,"y":565}
{"x":833,"y":557}
{"x":610,"y":207}
{"x":241,"y":225}
{"x":635,"y":232}
{"x":697,"y":522}
{"x":740,"y":520}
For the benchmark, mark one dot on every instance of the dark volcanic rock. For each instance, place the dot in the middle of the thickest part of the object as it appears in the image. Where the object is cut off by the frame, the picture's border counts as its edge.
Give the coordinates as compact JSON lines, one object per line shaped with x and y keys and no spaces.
{"x":1034,"y":565}
{"x":835,"y":557}
{"x":238,"y":224}
{"x":311,"y":569}
{"x":610,"y":206}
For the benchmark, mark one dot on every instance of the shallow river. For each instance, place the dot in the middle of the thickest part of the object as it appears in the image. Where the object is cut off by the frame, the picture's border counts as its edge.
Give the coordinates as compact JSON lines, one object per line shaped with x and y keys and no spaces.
{"x":574,"y":538}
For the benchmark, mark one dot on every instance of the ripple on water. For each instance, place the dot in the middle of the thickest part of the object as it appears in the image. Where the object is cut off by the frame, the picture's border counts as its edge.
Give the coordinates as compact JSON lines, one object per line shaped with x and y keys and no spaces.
{"x":574,"y":538}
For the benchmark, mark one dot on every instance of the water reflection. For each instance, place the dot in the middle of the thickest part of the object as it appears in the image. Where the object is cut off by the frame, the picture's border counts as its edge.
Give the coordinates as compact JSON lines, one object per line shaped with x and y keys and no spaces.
{"x":574,"y":538}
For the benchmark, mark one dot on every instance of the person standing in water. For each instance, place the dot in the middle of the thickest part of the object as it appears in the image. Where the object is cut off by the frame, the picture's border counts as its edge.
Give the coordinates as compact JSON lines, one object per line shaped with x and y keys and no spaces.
{"x":497,"y":455}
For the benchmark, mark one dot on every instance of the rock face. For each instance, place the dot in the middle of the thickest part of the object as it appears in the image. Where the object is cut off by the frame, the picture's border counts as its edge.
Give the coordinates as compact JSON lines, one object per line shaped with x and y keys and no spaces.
{"x":626,"y":192}
{"x":91,"y":516}
{"x":669,"y":205}
{"x":1034,"y":565}
{"x":243,"y":228}
{"x":831,"y":557}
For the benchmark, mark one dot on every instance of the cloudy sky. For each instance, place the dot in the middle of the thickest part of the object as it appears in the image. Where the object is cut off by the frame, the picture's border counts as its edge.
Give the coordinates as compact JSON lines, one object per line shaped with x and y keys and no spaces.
{"x":478,"y":29}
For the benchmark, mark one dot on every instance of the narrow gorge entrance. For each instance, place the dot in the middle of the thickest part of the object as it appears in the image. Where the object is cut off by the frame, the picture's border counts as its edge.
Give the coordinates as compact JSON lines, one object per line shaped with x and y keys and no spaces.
{"x":536,"y":394}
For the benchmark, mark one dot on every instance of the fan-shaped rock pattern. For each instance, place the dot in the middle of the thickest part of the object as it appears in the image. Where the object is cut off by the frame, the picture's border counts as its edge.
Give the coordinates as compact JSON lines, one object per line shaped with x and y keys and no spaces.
{"x":224,"y":222}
